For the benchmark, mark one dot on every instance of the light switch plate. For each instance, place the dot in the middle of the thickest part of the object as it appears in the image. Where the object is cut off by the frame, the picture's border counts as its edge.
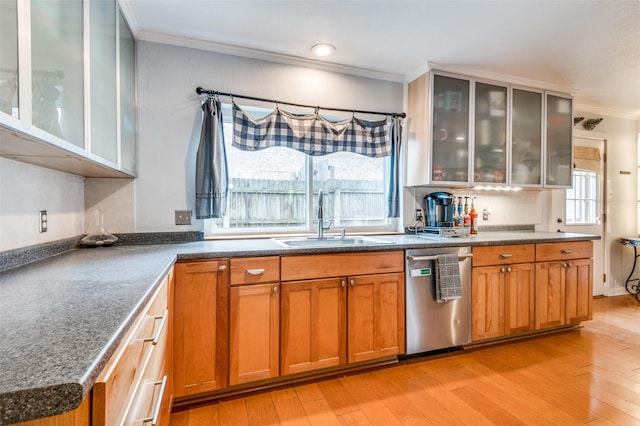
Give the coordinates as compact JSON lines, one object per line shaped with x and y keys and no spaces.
{"x":183,"y":217}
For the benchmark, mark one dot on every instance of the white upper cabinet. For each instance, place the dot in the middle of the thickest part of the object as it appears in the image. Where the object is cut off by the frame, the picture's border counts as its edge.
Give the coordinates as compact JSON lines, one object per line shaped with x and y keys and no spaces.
{"x":63,"y":70}
{"x":465,"y":131}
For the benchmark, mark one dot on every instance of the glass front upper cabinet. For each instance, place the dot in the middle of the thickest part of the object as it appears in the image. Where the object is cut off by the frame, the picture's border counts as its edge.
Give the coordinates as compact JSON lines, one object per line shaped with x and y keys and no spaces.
{"x":57,"y":68}
{"x":104,"y":139}
{"x":526,"y":137}
{"x":450,"y":130}
{"x":127,"y":97}
{"x":9,"y":103}
{"x":559,"y":133}
{"x":490,"y":137}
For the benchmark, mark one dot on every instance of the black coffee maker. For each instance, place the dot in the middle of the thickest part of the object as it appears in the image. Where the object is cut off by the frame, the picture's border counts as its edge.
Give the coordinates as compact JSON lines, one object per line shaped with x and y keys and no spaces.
{"x":438,"y":209}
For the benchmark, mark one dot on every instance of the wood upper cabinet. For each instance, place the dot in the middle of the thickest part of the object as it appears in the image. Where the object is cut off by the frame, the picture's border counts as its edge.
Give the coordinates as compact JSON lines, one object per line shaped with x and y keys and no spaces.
{"x":313,"y":325}
{"x":375,"y":316}
{"x":503,"y":293}
{"x":564,"y":283}
{"x":201,"y":326}
{"x":254,"y":323}
{"x":254,"y":319}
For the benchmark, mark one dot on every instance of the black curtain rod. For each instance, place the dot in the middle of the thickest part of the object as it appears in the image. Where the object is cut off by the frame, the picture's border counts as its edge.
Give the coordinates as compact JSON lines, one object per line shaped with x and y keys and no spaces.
{"x":201,"y":91}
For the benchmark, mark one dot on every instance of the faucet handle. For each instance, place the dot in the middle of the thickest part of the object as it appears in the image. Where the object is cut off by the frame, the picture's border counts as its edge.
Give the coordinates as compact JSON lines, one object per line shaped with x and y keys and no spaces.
{"x":328,"y":225}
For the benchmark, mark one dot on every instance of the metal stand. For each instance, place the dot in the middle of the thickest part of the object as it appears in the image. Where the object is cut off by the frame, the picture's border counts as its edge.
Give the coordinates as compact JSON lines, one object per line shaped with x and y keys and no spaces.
{"x":633,"y":284}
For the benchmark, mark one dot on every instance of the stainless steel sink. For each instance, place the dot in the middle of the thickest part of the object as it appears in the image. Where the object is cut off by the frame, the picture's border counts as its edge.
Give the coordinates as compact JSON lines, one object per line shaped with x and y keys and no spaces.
{"x":330,"y":241}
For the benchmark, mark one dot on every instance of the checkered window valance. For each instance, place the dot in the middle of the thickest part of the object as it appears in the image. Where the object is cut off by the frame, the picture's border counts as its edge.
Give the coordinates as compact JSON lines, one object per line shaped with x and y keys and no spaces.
{"x":310,"y":133}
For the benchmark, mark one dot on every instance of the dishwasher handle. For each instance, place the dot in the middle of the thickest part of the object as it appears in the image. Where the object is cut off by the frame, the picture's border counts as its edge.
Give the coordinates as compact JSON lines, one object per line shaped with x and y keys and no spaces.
{"x":460,"y":257}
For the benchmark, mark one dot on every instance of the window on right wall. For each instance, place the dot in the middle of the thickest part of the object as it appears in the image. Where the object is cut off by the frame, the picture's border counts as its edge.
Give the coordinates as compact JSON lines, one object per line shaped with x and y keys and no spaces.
{"x":582,"y":199}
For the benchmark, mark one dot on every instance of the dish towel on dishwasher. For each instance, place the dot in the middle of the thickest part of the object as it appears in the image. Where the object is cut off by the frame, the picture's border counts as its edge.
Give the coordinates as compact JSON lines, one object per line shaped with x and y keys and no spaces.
{"x":447,"y":278}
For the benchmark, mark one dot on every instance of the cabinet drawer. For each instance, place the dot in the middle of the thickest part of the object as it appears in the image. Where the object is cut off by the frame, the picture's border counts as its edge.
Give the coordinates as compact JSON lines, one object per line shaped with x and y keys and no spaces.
{"x":338,"y":265}
{"x":114,"y":387}
{"x":255,"y":270}
{"x":150,"y":397}
{"x":564,"y":251}
{"x":502,"y":255}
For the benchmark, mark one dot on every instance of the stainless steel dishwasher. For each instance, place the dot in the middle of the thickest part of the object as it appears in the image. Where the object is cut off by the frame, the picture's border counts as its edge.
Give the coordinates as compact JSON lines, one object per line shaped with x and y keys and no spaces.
{"x":430,"y":325}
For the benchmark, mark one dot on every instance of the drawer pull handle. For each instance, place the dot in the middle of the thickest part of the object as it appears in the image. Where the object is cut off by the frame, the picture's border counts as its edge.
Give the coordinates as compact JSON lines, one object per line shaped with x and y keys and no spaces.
{"x":156,"y":410}
{"x":222,"y":267}
{"x":255,"y":271}
{"x":156,"y":337}
{"x":506,"y":256}
{"x":566,"y":251}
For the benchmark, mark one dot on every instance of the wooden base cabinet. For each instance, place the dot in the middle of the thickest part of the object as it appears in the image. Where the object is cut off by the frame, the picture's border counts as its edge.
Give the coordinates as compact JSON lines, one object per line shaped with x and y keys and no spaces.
{"x":375,"y":316}
{"x":564,"y":283}
{"x":503,"y":293}
{"x":201,"y":327}
{"x":254,"y":315}
{"x":254,"y":319}
{"x":313,"y":324}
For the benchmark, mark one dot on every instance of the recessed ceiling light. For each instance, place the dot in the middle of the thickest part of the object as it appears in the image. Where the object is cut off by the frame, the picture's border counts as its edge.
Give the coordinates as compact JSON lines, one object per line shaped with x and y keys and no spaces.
{"x":323,"y":49}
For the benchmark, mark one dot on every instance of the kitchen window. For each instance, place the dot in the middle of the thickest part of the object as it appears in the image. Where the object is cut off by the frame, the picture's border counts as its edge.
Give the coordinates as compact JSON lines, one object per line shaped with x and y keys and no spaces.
{"x":275,"y":190}
{"x":582,"y":202}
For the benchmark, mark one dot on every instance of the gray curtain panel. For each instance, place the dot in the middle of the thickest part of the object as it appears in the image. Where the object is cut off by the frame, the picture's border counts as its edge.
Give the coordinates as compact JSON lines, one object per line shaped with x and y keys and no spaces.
{"x":395,"y":133}
{"x":212,"y":179}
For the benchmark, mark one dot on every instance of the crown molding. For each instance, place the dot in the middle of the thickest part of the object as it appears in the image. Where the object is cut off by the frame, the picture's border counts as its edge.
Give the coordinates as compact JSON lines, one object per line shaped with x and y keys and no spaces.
{"x":607,"y":111}
{"x":264,"y":55}
{"x":127,"y":11}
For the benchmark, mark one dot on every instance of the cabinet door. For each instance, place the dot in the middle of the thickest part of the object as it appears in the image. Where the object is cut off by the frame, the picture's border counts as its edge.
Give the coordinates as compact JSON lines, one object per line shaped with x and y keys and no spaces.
{"x":375,"y":319}
{"x":9,"y":102}
{"x":550,"y":295}
{"x":102,"y":48}
{"x":579,"y":292}
{"x":450,"y":129}
{"x":487,"y":302}
{"x":526,"y":137}
{"x":200,"y":327}
{"x":313,"y":325}
{"x":559,"y":142}
{"x":254,"y":319}
{"x":57,"y":68}
{"x":127,"y":91}
{"x":490,"y":142}
{"x":519,"y":298}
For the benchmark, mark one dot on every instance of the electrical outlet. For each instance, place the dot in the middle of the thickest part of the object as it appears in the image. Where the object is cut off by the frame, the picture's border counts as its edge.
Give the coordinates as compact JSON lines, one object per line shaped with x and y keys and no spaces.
{"x":43,"y":221}
{"x":183,"y":217}
{"x":419,"y":215}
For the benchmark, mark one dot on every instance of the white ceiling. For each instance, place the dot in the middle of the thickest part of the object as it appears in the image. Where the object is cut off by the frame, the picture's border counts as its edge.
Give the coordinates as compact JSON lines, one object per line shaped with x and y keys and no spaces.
{"x":590,"y":47}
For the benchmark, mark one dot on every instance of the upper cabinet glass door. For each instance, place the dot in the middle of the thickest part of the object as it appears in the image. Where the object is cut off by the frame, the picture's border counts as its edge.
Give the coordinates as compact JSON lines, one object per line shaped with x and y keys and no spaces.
{"x":127,"y":97}
{"x":102,"y":25}
{"x":526,"y":137}
{"x":57,"y":68}
{"x":450,"y":130}
{"x":9,"y":58}
{"x":559,"y":141}
{"x":490,"y":147}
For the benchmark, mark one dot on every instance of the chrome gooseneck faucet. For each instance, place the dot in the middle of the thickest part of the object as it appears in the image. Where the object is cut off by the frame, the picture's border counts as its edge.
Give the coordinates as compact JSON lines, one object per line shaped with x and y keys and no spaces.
{"x":321,"y":226}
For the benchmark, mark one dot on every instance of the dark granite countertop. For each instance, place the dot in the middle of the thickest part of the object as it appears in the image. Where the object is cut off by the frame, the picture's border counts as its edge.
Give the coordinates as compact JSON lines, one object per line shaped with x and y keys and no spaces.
{"x":62,"y":318}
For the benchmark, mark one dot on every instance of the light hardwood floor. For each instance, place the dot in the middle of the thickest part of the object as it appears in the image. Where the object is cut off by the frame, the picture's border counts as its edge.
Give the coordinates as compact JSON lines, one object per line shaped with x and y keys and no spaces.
{"x":590,"y":375}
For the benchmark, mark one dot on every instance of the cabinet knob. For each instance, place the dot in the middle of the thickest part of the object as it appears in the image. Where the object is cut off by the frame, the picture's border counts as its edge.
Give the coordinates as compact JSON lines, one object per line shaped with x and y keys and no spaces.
{"x":569,"y":264}
{"x":502,"y":269}
{"x":275,"y":288}
{"x":222,"y":267}
{"x":564,"y":265}
{"x":509,"y":269}
{"x":353,"y":283}
{"x":343,"y":284}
